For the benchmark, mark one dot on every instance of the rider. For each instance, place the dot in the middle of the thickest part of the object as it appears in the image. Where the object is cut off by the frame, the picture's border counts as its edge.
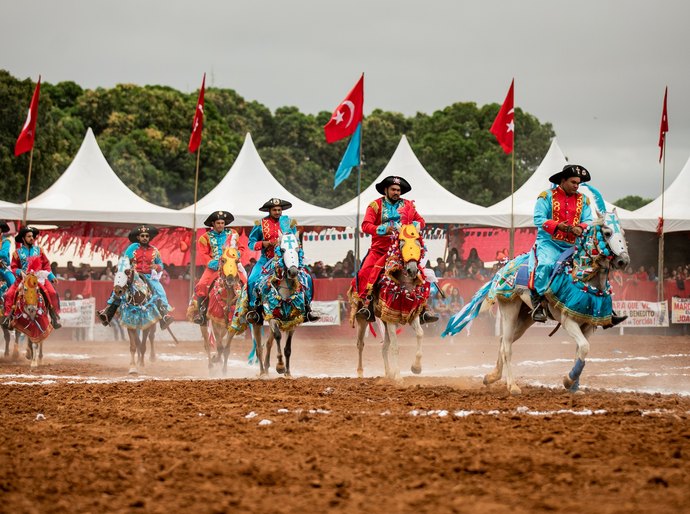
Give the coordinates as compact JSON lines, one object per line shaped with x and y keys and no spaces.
{"x":382,"y":217}
{"x":264,"y":237}
{"x":26,"y":249}
{"x":146,"y":260}
{"x":5,"y":259}
{"x":211,"y":245}
{"x":561,"y":214}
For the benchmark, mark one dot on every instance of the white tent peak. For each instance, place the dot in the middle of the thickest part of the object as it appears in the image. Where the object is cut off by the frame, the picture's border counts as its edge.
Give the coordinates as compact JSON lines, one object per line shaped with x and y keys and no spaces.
{"x":676,"y":207}
{"x":434,"y":203}
{"x":248,"y":185}
{"x":89,"y":190}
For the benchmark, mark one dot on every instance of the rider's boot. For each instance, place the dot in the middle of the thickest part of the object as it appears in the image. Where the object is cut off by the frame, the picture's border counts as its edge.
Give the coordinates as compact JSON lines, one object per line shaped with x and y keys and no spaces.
{"x":6,"y":320}
{"x":366,"y":312}
{"x":538,"y":313}
{"x":167,"y":319}
{"x":615,"y":320}
{"x":54,"y":318}
{"x":428,"y":316}
{"x":107,"y":314}
{"x":200,"y":316}
{"x":309,"y":315}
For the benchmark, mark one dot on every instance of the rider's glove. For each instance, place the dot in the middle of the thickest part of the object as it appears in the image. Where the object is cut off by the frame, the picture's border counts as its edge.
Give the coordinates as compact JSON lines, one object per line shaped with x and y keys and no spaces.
{"x":213,"y":265}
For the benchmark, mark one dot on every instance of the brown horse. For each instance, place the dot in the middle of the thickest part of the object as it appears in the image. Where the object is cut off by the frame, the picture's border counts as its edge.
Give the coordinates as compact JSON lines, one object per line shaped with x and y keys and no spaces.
{"x":399,"y":297}
{"x":222,"y":297}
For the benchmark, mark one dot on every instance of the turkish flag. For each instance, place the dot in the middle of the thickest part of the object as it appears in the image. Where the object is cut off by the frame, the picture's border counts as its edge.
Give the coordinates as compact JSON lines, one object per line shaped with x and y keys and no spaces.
{"x":198,"y":124}
{"x":504,"y":125}
{"x":25,"y":141}
{"x":664,"y":127}
{"x":347,"y":115}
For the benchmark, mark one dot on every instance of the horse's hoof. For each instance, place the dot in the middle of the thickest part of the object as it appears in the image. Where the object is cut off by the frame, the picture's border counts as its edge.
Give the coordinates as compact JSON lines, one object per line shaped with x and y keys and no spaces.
{"x":515,"y":390}
{"x":133,"y":371}
{"x":568,"y":382}
{"x":280,"y":369}
{"x":416,"y":369}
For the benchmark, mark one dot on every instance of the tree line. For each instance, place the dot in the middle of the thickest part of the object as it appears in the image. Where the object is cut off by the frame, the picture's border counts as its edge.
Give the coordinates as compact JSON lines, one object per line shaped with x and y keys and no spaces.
{"x":143,"y":132}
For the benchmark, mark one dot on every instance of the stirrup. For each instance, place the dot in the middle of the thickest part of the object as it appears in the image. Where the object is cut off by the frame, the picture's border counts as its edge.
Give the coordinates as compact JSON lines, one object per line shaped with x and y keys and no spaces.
{"x":310,"y":317}
{"x":364,"y":314}
{"x":166,"y":321}
{"x":538,"y":314}
{"x":615,"y":320}
{"x":429,"y":317}
{"x":253,"y":317}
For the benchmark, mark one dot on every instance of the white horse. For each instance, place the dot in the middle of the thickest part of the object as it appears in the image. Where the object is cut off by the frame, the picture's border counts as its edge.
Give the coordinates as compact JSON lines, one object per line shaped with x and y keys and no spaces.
{"x":398,"y":299}
{"x":600,"y":247}
{"x":282,"y":292}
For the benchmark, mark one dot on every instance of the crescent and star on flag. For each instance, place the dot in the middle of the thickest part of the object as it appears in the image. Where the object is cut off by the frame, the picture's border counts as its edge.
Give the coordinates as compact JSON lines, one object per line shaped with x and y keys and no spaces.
{"x":339,"y":114}
{"x":510,"y":126}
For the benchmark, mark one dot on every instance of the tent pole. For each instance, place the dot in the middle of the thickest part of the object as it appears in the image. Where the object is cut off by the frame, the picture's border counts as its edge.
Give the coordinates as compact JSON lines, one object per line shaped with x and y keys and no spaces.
{"x":28,"y":186}
{"x":192,"y":260}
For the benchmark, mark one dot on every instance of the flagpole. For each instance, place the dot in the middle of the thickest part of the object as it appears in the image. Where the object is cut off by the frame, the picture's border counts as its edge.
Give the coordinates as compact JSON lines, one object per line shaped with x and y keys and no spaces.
{"x":359,"y":189}
{"x":660,"y":264}
{"x":192,"y":259}
{"x":511,"y":251}
{"x":28,"y":186}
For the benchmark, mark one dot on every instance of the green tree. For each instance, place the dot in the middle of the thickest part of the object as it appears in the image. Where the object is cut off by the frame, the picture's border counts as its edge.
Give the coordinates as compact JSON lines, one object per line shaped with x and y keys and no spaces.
{"x":632,"y":202}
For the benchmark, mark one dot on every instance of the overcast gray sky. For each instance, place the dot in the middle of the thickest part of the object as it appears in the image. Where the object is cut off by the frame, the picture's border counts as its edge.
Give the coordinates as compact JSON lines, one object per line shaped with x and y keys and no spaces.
{"x":595,"y":69}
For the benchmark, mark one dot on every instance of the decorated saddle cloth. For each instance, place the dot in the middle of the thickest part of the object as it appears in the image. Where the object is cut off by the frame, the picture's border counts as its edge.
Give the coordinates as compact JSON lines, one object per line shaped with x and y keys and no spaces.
{"x":143,"y":314}
{"x":516,"y":273}
{"x":397,"y":303}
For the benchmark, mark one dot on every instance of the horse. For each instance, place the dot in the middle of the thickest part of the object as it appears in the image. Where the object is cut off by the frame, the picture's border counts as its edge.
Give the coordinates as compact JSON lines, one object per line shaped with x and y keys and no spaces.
{"x":6,"y":332}
{"x":579,"y":295}
{"x":282,"y":291}
{"x":399,"y":297}
{"x":138,"y":312}
{"x":222,"y":298}
{"x":30,"y":314}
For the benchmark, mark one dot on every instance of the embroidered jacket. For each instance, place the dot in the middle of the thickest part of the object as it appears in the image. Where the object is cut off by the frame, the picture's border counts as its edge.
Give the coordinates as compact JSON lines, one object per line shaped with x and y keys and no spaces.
{"x":381,"y":214}
{"x":268,"y":229}
{"x":211,"y":245}
{"x":20,"y":259}
{"x":554,"y":207}
{"x":144,"y":258}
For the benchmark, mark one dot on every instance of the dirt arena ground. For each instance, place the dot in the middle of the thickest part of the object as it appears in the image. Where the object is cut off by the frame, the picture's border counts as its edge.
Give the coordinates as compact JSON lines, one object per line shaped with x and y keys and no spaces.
{"x":80,"y":435}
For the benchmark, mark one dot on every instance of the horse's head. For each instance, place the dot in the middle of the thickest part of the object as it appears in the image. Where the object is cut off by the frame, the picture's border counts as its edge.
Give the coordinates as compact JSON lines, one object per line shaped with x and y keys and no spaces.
{"x":30,"y":292}
{"x":289,"y":251}
{"x":606,"y":239}
{"x":122,"y":277}
{"x":228,"y":268}
{"x":410,"y":249}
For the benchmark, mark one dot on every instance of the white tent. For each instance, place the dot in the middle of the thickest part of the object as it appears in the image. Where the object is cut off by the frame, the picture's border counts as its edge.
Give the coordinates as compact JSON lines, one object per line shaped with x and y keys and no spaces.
{"x":676,"y":207}
{"x":433,"y":201}
{"x":11,"y":211}
{"x":248,"y":185}
{"x":89,"y":190}
{"x":525,"y":198}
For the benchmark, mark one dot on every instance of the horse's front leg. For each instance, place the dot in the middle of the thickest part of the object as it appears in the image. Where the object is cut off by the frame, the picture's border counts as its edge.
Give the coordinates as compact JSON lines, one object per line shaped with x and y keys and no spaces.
{"x":207,"y":346}
{"x":288,"y":352}
{"x":141,"y":346}
{"x":34,"y":353}
{"x":394,"y":351}
{"x":7,"y":335}
{"x":277,"y":335}
{"x":419,"y":332}
{"x":152,"y":339}
{"x":361,"y":329}
{"x":260,"y":350}
{"x":132,"y":333}
{"x":581,"y":335}
{"x":226,"y":350}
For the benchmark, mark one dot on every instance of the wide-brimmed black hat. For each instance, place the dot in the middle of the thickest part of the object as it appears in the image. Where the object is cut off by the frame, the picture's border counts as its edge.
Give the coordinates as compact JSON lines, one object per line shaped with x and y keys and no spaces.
{"x":219,"y":215}
{"x":19,"y":238}
{"x":571,"y":170}
{"x":392,"y":180}
{"x":4,"y":227}
{"x":275,"y":202}
{"x":142,"y":229}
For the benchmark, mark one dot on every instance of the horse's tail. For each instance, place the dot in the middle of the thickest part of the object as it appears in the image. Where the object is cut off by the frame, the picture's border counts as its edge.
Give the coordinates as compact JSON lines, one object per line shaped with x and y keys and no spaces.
{"x":470,"y":311}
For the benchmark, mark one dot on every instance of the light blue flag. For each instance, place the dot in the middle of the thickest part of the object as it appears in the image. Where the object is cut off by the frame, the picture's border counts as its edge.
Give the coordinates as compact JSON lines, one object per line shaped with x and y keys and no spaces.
{"x":351,"y":157}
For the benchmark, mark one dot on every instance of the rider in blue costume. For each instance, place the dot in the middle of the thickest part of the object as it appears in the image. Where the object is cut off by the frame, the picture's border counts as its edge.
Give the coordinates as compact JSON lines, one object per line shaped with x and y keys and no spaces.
{"x":264,"y":237}
{"x":561,"y":214}
{"x":5,"y":258}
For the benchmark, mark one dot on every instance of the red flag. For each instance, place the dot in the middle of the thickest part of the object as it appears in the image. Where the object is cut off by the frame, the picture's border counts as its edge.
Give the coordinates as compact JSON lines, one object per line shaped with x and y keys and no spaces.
{"x":198,"y":124}
{"x":25,"y":141}
{"x":347,"y":115}
{"x":664,"y":127}
{"x":504,"y":126}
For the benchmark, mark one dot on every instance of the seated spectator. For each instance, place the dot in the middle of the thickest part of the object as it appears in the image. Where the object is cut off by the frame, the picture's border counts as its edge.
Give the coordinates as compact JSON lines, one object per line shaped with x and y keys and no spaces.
{"x":641,"y":274}
{"x":71,"y":272}
{"x":474,"y":261}
{"x":651,"y":274}
{"x":54,"y":269}
{"x":338,"y":270}
{"x":456,"y":302}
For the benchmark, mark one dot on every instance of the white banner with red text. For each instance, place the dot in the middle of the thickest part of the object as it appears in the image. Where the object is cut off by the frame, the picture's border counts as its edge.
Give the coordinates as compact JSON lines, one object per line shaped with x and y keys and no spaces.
{"x":642,"y":314}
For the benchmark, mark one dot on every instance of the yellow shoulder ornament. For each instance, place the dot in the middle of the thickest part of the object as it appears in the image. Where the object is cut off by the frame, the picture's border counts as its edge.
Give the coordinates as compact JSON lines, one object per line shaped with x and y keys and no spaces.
{"x":374,"y":206}
{"x":543,"y":195}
